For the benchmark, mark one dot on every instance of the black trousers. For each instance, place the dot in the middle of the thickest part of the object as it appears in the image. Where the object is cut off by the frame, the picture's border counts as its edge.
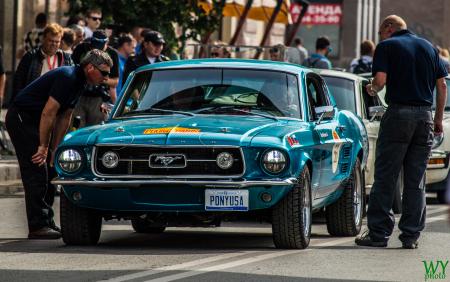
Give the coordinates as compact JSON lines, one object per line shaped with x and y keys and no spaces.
{"x":23,"y":130}
{"x":405,"y":139}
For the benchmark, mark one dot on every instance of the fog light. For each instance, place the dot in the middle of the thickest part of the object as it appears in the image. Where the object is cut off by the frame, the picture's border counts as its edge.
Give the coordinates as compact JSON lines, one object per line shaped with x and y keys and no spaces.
{"x":76,"y":196}
{"x":110,"y":160}
{"x":266,"y":197}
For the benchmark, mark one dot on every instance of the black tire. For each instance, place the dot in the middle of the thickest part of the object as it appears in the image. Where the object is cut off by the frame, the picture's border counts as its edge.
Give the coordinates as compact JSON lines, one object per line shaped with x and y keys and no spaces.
{"x":397,"y":205}
{"x":79,"y":226}
{"x":142,"y":226}
{"x":292,"y":216}
{"x":344,"y":217}
{"x":441,"y":197}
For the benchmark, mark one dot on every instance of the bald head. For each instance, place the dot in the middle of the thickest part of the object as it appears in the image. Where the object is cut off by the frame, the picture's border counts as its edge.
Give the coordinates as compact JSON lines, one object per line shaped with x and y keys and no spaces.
{"x":390,"y":25}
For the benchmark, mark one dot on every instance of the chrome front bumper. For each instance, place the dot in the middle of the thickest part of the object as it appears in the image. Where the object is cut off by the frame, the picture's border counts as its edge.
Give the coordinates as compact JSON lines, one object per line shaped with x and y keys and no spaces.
{"x":115,"y":183}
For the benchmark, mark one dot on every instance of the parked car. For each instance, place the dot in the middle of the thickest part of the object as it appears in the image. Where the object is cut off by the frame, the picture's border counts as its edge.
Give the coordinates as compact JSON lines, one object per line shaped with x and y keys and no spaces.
{"x":350,"y":93}
{"x":193,"y":142}
{"x":438,"y":164}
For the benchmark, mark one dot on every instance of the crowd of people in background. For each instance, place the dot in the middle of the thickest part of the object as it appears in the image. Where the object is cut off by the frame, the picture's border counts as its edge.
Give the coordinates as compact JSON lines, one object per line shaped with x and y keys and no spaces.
{"x":49,"y":45}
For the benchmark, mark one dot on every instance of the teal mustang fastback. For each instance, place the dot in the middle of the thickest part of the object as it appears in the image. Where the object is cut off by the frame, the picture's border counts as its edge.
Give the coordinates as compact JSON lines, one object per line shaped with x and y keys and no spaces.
{"x":193,"y":142}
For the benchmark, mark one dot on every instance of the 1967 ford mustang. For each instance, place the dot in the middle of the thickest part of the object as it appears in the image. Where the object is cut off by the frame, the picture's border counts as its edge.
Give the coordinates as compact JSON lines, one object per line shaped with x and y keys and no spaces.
{"x":193,"y":142}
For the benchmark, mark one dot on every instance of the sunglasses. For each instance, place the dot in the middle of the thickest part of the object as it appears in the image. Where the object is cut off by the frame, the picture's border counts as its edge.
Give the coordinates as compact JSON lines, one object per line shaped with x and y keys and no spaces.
{"x":103,"y":72}
{"x":96,"y":18}
{"x":215,"y":54}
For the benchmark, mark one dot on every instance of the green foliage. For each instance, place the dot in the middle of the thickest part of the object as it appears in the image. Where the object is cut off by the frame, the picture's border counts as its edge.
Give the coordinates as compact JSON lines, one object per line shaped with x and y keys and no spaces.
{"x":157,"y":15}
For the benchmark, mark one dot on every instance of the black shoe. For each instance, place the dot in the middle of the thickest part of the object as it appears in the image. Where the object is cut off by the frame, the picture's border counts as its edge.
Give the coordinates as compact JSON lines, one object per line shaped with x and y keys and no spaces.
{"x":365,"y":240}
{"x":410,"y":245}
{"x":45,"y":233}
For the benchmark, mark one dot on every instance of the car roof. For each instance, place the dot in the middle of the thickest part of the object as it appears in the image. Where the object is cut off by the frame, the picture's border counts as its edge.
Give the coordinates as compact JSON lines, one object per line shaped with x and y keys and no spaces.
{"x":227,"y":63}
{"x":340,"y":74}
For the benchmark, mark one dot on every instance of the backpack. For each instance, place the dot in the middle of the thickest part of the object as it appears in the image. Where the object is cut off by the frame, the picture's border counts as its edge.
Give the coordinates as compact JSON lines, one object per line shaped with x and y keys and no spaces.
{"x":362,"y":67}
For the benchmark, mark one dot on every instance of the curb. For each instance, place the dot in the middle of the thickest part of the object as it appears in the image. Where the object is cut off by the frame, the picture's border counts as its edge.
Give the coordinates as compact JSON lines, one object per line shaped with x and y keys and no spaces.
{"x":11,"y":187}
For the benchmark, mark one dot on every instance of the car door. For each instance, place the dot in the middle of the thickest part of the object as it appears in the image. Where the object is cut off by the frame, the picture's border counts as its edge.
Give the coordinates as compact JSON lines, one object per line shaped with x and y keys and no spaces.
{"x":330,"y":135}
{"x":372,"y":125}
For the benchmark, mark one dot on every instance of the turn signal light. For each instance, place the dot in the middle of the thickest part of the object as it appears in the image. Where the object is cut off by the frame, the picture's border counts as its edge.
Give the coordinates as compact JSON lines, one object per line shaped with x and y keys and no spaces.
{"x":436,"y":161}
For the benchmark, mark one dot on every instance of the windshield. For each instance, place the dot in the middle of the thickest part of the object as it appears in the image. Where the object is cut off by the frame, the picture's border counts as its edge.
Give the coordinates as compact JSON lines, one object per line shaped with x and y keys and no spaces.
{"x":343,"y":91}
{"x":447,"y":105}
{"x":212,"y":91}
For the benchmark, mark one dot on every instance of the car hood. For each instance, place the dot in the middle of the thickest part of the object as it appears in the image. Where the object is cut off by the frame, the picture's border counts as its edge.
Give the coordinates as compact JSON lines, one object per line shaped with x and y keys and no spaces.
{"x":195,"y":130}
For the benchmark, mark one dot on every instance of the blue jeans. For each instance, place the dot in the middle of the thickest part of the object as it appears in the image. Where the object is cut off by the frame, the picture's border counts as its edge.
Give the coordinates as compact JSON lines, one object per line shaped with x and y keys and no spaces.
{"x":405,"y":139}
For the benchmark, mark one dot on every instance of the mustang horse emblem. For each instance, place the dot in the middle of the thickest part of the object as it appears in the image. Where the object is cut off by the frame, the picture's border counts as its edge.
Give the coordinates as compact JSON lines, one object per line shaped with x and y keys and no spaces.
{"x":165,"y":160}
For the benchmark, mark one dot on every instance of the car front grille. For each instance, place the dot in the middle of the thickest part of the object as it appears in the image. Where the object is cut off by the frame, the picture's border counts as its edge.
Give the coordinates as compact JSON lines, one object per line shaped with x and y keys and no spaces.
{"x":185,"y":162}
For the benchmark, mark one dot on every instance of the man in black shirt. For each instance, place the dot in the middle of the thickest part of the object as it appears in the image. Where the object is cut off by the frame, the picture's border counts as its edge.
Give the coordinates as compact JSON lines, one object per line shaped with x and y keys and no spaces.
{"x":410,"y":68}
{"x":42,"y":112}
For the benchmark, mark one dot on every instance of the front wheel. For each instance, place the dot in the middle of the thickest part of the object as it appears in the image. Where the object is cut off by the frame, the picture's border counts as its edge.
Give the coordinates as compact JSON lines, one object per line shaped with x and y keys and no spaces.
{"x":344,"y":217}
{"x":291,"y":217}
{"x":79,"y":226}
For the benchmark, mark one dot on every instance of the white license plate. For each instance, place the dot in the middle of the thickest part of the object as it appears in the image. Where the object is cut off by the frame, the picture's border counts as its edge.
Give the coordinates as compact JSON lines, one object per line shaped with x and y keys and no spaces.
{"x":226,"y":200}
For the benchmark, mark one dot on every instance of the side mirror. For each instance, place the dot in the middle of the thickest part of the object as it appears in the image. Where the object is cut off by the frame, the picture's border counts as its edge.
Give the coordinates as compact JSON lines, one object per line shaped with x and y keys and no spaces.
{"x":324,"y":112}
{"x":376,"y":111}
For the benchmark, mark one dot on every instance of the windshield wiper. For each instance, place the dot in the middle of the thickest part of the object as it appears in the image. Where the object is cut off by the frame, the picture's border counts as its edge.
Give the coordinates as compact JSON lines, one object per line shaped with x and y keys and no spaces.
{"x":156,"y":110}
{"x":237,"y":109}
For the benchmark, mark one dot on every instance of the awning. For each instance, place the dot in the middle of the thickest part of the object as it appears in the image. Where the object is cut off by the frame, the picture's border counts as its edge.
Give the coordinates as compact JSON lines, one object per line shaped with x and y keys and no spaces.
{"x":261,"y":10}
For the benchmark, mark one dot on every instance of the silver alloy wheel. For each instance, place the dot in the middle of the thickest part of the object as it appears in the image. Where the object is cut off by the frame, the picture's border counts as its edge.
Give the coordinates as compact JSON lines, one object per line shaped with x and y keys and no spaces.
{"x":357,"y":198}
{"x":306,"y":208}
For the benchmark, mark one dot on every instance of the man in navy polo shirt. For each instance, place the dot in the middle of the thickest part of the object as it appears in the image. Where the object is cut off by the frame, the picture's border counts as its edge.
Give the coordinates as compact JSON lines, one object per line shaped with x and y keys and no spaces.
{"x":410,"y":68}
{"x":42,"y":112}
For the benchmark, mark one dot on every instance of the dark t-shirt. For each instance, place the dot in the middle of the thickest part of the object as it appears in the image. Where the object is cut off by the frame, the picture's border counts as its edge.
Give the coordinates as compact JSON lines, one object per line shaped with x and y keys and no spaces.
{"x":412,"y":66}
{"x":64,"y":84}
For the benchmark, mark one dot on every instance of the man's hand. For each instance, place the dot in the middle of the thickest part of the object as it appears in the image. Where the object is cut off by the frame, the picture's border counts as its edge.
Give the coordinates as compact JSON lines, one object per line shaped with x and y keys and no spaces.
{"x":370,"y":90}
{"x":438,"y":128}
{"x":40,"y":156}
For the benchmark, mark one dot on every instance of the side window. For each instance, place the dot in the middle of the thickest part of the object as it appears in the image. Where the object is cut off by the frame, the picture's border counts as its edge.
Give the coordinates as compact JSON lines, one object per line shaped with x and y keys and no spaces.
{"x":316,"y":94}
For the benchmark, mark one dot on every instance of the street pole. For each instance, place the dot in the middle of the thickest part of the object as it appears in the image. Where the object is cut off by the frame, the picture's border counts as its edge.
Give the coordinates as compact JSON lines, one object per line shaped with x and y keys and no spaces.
{"x":268,"y":28}
{"x":241,"y":22}
{"x":297,"y":23}
{"x":14,"y":43}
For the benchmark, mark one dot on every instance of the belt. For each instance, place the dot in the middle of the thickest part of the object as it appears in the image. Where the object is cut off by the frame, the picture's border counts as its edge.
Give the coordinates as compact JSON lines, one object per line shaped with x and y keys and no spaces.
{"x":404,"y":106}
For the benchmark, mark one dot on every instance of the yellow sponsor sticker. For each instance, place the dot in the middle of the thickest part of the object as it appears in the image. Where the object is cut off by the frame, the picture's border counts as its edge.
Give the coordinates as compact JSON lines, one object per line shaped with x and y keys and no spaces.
{"x":167,"y":130}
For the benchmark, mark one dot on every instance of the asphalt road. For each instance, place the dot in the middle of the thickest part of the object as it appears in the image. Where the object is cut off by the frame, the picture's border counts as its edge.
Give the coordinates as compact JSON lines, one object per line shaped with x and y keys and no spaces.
{"x":240,"y":251}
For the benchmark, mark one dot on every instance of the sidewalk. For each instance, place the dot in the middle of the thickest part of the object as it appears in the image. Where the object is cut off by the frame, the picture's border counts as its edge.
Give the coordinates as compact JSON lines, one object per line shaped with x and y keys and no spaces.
{"x":10,"y":181}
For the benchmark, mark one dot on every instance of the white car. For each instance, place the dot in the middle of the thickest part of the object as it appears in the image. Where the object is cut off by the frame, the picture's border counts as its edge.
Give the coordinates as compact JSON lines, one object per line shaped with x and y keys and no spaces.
{"x":350,"y":94}
{"x":438,"y":164}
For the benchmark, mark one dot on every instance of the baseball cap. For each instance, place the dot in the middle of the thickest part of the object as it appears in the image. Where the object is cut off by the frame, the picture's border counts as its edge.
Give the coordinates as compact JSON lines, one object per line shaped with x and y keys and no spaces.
{"x":154,"y":37}
{"x":99,"y":39}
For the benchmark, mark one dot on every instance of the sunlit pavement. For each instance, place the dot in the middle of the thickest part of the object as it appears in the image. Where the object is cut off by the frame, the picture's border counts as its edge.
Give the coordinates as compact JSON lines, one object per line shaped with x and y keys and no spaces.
{"x":236,"y":251}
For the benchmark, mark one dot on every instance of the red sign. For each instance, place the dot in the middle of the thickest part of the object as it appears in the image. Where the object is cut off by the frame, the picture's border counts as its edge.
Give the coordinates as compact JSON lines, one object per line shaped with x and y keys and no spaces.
{"x":318,"y":14}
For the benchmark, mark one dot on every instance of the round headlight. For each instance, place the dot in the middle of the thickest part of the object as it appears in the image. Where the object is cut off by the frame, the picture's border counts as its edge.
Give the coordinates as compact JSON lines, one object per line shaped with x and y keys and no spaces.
{"x":224,"y":160}
{"x":274,"y":161}
{"x":437,"y":140}
{"x":110,"y":159}
{"x":70,"y":160}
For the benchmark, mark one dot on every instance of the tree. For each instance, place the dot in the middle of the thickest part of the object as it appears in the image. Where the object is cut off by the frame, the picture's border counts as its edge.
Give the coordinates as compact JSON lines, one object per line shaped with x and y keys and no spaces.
{"x":159,"y":15}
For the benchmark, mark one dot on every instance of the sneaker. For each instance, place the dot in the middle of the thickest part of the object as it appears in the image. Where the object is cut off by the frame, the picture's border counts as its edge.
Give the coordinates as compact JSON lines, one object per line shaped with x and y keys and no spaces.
{"x":45,"y":233}
{"x":365,"y":240}
{"x":410,"y":245}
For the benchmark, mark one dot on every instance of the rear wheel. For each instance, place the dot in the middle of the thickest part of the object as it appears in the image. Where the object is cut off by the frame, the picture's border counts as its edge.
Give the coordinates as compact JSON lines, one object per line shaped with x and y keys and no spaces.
{"x":79,"y":226}
{"x":344,"y":217}
{"x":141,"y":225}
{"x":291,"y":217}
